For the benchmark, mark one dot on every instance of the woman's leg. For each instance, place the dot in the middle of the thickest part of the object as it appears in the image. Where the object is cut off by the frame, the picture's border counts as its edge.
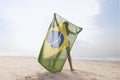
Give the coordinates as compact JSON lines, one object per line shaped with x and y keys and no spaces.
{"x":70,"y":63}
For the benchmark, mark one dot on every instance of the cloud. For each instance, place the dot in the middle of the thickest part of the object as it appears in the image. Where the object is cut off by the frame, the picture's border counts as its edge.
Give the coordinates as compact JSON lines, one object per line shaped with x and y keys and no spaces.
{"x":101,"y":34}
{"x":108,"y":24}
{"x":26,"y":21}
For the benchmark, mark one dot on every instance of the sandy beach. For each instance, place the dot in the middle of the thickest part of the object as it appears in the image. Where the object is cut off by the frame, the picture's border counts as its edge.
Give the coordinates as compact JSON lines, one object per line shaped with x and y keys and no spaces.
{"x":24,"y":68}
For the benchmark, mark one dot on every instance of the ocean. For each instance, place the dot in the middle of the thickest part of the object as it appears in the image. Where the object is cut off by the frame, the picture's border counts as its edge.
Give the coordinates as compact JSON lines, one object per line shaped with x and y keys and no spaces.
{"x":106,"y":58}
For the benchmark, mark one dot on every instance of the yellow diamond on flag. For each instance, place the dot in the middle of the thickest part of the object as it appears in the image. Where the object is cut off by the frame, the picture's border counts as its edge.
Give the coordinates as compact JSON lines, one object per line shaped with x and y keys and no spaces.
{"x":56,"y":40}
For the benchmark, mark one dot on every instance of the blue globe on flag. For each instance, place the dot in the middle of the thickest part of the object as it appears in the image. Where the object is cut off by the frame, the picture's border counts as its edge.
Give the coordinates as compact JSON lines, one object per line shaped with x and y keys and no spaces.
{"x":55,"y":39}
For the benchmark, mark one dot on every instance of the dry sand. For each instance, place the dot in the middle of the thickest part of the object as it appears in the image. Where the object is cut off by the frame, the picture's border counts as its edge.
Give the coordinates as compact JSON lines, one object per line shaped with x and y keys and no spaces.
{"x":19,"y":68}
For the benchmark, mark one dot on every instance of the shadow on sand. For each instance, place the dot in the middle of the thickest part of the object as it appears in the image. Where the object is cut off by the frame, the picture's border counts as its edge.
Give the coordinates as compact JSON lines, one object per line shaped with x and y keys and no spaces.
{"x":54,"y":76}
{"x":65,"y":75}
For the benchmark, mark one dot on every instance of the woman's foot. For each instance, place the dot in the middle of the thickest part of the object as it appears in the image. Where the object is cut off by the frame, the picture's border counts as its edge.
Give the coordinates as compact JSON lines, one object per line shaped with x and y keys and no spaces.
{"x":72,"y":69}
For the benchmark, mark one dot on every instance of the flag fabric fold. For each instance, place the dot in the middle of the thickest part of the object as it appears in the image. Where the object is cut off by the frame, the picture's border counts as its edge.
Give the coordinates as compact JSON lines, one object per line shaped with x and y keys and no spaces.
{"x":57,"y":44}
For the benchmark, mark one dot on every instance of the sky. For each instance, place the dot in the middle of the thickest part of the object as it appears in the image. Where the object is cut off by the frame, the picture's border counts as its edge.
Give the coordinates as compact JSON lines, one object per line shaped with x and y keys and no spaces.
{"x":24,"y":23}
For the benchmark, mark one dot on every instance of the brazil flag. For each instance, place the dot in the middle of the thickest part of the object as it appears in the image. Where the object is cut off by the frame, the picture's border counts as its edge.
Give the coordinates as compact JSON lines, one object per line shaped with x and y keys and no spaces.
{"x":57,"y":44}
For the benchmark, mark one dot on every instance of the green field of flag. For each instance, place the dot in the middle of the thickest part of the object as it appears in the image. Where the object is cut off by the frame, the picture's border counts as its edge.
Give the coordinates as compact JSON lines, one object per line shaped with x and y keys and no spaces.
{"x":57,"y":44}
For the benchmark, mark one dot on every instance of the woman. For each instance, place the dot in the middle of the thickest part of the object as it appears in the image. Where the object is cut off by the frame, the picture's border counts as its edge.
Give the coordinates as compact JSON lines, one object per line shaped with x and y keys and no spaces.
{"x":69,"y":56}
